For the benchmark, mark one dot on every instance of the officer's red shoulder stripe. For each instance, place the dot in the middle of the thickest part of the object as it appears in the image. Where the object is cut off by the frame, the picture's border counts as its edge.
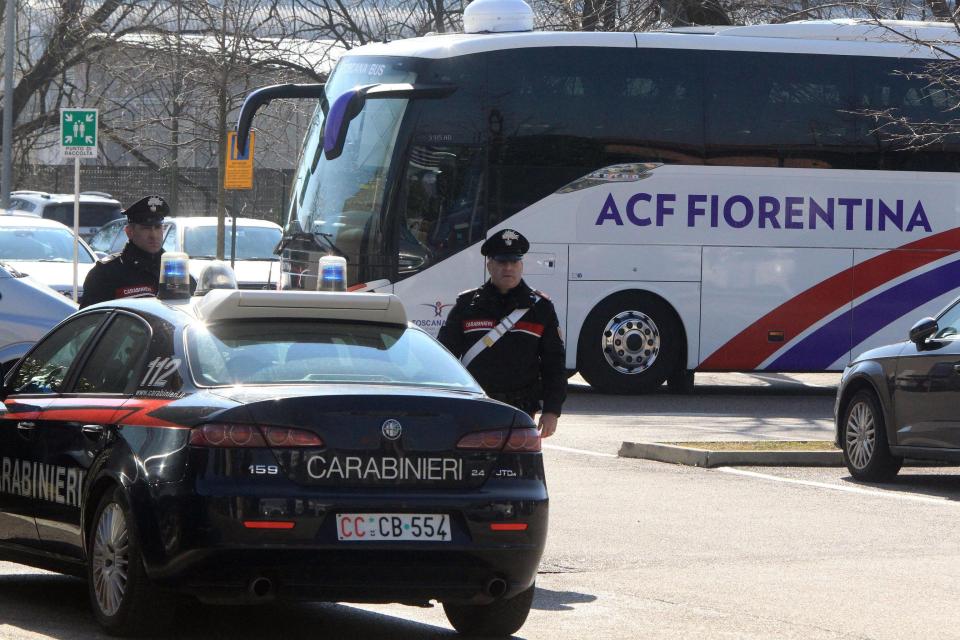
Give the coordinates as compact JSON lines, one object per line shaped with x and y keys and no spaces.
{"x":530,"y":327}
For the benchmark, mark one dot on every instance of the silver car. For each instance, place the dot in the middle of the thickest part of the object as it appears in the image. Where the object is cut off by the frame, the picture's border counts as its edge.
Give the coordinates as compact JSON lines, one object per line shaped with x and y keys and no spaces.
{"x":28,"y":309}
{"x":43,"y":249}
{"x":256,"y":266}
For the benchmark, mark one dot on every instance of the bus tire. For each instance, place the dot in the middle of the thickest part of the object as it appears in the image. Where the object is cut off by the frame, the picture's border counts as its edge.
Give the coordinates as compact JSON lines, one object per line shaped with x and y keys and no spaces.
{"x":630,"y":343}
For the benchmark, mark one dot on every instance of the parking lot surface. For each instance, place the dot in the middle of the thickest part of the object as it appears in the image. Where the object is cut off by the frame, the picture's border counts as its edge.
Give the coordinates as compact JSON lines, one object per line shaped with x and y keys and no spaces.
{"x":640,"y":549}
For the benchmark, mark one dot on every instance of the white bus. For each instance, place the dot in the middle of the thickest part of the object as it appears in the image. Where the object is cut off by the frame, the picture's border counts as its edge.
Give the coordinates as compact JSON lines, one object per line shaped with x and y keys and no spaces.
{"x":708,"y":201}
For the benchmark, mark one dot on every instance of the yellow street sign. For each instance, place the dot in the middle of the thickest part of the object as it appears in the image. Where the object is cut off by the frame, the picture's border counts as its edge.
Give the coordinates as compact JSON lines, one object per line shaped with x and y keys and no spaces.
{"x":239,"y":170}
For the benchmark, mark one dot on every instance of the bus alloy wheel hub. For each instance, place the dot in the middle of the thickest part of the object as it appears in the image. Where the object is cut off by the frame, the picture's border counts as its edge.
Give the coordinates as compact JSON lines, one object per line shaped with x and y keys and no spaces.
{"x":631,"y":342}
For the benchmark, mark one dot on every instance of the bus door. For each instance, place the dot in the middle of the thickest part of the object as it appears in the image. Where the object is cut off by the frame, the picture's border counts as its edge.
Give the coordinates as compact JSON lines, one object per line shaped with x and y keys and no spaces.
{"x":440,"y":227}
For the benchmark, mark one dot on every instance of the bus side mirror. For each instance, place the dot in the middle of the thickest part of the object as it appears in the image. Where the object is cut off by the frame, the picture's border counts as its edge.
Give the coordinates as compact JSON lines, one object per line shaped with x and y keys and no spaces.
{"x":922,"y":330}
{"x":264,"y":95}
{"x":349,"y":104}
{"x":345,"y":108}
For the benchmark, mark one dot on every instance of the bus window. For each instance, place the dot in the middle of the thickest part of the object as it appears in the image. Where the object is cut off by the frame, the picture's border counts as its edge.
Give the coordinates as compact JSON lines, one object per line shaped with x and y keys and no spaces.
{"x":905,"y":89}
{"x":560,"y":113}
{"x":764,"y":109}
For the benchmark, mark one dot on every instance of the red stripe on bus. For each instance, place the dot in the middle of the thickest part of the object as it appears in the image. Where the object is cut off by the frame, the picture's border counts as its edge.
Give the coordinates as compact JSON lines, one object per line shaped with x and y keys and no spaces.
{"x":749,"y":348}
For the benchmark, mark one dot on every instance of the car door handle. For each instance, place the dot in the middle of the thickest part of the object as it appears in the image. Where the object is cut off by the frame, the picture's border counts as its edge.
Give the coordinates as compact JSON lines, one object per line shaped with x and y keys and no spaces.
{"x":25,"y":426}
{"x":92,"y":430}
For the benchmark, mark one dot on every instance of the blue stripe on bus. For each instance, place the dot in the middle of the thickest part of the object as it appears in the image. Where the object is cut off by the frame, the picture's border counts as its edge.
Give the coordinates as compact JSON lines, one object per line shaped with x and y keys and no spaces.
{"x":833,"y":340}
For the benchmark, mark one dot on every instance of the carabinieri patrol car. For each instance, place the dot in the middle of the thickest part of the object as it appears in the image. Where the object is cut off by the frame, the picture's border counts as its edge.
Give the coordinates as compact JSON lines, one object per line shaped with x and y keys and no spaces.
{"x":253,"y":445}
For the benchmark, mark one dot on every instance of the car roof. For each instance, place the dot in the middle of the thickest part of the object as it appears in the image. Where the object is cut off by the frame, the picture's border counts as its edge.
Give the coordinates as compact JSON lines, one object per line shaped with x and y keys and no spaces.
{"x":205,"y":221}
{"x":243,"y":304}
{"x":31,"y":221}
{"x":59,"y":198}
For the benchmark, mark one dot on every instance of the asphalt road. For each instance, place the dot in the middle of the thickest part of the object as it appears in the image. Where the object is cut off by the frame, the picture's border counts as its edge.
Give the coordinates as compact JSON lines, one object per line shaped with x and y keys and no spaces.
{"x":639,"y":549}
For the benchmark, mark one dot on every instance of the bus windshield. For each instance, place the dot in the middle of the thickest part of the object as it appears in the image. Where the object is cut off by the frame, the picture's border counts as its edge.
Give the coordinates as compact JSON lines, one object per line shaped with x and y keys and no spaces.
{"x":341,"y":199}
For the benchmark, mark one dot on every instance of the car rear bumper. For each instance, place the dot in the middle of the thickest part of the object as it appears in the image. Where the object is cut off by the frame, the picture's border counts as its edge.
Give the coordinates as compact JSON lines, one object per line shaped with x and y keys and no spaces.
{"x":410,"y":576}
{"x":213,"y":553}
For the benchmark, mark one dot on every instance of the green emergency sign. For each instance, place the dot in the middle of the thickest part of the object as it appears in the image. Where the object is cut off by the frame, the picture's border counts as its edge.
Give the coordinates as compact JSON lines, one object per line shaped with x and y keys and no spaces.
{"x":78,"y":132}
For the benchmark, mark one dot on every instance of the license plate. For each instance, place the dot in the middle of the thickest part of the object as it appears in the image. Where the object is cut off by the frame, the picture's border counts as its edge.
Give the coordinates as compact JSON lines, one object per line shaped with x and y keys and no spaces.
{"x":362,"y":527}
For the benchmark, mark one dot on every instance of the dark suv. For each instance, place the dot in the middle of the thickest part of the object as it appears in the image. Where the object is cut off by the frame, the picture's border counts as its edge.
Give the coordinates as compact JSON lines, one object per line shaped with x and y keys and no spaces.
{"x":900,"y":401}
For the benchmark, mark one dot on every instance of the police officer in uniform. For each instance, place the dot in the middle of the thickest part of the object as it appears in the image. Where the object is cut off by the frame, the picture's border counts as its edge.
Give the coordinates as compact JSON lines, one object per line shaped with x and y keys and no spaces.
{"x":508,"y":335}
{"x":135,"y":271}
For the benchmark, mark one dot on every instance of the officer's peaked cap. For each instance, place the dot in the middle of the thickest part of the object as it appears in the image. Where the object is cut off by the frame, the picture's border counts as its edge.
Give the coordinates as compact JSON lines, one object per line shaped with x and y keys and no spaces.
{"x":147,"y":210}
{"x":505,"y":244}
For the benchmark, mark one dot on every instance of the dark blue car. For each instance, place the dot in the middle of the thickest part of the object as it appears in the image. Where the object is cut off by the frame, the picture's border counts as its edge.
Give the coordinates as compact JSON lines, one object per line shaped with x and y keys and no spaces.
{"x":253,"y":445}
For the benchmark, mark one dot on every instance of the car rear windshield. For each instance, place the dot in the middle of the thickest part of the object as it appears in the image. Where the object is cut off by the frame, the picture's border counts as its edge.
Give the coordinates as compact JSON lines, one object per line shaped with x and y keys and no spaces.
{"x":301,"y":352}
{"x":40,"y":245}
{"x":253,"y":243}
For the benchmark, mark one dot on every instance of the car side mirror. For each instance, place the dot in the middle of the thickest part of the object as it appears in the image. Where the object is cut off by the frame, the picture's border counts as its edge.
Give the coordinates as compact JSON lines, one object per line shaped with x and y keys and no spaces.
{"x":922,"y":330}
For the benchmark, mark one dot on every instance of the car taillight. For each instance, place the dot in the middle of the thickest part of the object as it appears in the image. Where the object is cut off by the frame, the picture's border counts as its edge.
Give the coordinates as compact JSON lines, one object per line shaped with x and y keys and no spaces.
{"x":517,"y":440}
{"x":524,"y":440}
{"x":220,"y":434}
{"x":483,"y":440}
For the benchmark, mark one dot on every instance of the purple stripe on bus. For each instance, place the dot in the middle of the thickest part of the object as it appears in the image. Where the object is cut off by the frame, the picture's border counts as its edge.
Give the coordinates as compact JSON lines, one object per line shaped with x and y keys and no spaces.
{"x":832,"y":341}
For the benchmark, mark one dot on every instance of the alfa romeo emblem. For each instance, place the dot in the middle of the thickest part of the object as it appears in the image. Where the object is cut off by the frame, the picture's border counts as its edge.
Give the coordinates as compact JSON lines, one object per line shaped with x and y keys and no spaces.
{"x":391,"y":429}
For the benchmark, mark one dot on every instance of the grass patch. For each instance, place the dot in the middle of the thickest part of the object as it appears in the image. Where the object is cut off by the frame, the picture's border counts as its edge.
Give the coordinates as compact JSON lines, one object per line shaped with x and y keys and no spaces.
{"x":759,"y":445}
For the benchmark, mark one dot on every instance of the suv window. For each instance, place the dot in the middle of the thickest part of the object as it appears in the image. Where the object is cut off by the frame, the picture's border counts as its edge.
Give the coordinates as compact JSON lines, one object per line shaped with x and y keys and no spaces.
{"x":22,"y":205}
{"x":91,"y":214}
{"x":104,"y":239}
{"x":949,"y":324}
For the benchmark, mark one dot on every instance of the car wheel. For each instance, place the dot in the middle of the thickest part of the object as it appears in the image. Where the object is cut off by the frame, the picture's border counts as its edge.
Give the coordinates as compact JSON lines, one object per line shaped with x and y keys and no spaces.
{"x":630,"y":343}
{"x":499,"y":618}
{"x":123,"y":599}
{"x":866,"y":451}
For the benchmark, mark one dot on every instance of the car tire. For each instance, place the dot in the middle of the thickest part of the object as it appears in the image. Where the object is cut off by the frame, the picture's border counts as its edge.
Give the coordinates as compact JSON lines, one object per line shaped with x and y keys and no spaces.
{"x":499,"y":618}
{"x":629,"y":344}
{"x":124,"y":601}
{"x":866,"y":451}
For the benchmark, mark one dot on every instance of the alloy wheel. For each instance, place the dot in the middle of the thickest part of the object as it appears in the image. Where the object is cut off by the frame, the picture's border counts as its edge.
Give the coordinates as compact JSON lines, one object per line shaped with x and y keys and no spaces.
{"x":861,"y":435}
{"x":111,"y":559}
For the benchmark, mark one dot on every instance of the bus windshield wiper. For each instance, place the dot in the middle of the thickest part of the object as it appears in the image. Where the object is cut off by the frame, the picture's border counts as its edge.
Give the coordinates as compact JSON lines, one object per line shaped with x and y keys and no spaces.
{"x":304,"y":235}
{"x":328,"y":238}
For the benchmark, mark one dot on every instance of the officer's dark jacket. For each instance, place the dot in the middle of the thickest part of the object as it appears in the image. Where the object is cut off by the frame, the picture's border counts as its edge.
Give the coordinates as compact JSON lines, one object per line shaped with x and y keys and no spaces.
{"x":524,"y":366}
{"x":131,"y":273}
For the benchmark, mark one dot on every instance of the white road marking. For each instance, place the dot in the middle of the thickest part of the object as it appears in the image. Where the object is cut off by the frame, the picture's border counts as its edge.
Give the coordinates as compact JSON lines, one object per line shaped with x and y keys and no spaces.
{"x":836,"y":487}
{"x":808,"y":425}
{"x":583,"y":451}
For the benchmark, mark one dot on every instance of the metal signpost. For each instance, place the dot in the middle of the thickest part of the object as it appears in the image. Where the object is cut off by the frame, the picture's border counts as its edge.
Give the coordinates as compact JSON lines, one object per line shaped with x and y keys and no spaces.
{"x":78,"y":139}
{"x":238,"y":175}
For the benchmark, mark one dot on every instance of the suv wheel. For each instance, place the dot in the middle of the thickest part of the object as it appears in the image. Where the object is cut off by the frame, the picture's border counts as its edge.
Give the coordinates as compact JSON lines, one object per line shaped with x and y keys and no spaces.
{"x":865,"y":449}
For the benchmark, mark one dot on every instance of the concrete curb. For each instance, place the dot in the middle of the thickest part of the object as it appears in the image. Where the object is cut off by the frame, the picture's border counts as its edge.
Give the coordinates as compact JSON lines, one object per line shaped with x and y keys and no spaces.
{"x":707,"y":458}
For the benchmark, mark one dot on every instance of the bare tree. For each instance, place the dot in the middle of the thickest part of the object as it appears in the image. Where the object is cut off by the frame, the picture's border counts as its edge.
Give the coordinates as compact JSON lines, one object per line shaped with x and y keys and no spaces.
{"x":55,"y":38}
{"x":173,"y":93}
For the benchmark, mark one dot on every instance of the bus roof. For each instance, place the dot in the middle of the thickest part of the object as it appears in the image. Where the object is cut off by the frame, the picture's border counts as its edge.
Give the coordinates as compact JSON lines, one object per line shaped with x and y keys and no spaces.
{"x":887,"y":38}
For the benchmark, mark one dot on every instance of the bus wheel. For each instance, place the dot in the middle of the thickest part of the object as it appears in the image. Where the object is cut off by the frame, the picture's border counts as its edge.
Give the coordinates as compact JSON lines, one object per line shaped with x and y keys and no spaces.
{"x":630,"y":343}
